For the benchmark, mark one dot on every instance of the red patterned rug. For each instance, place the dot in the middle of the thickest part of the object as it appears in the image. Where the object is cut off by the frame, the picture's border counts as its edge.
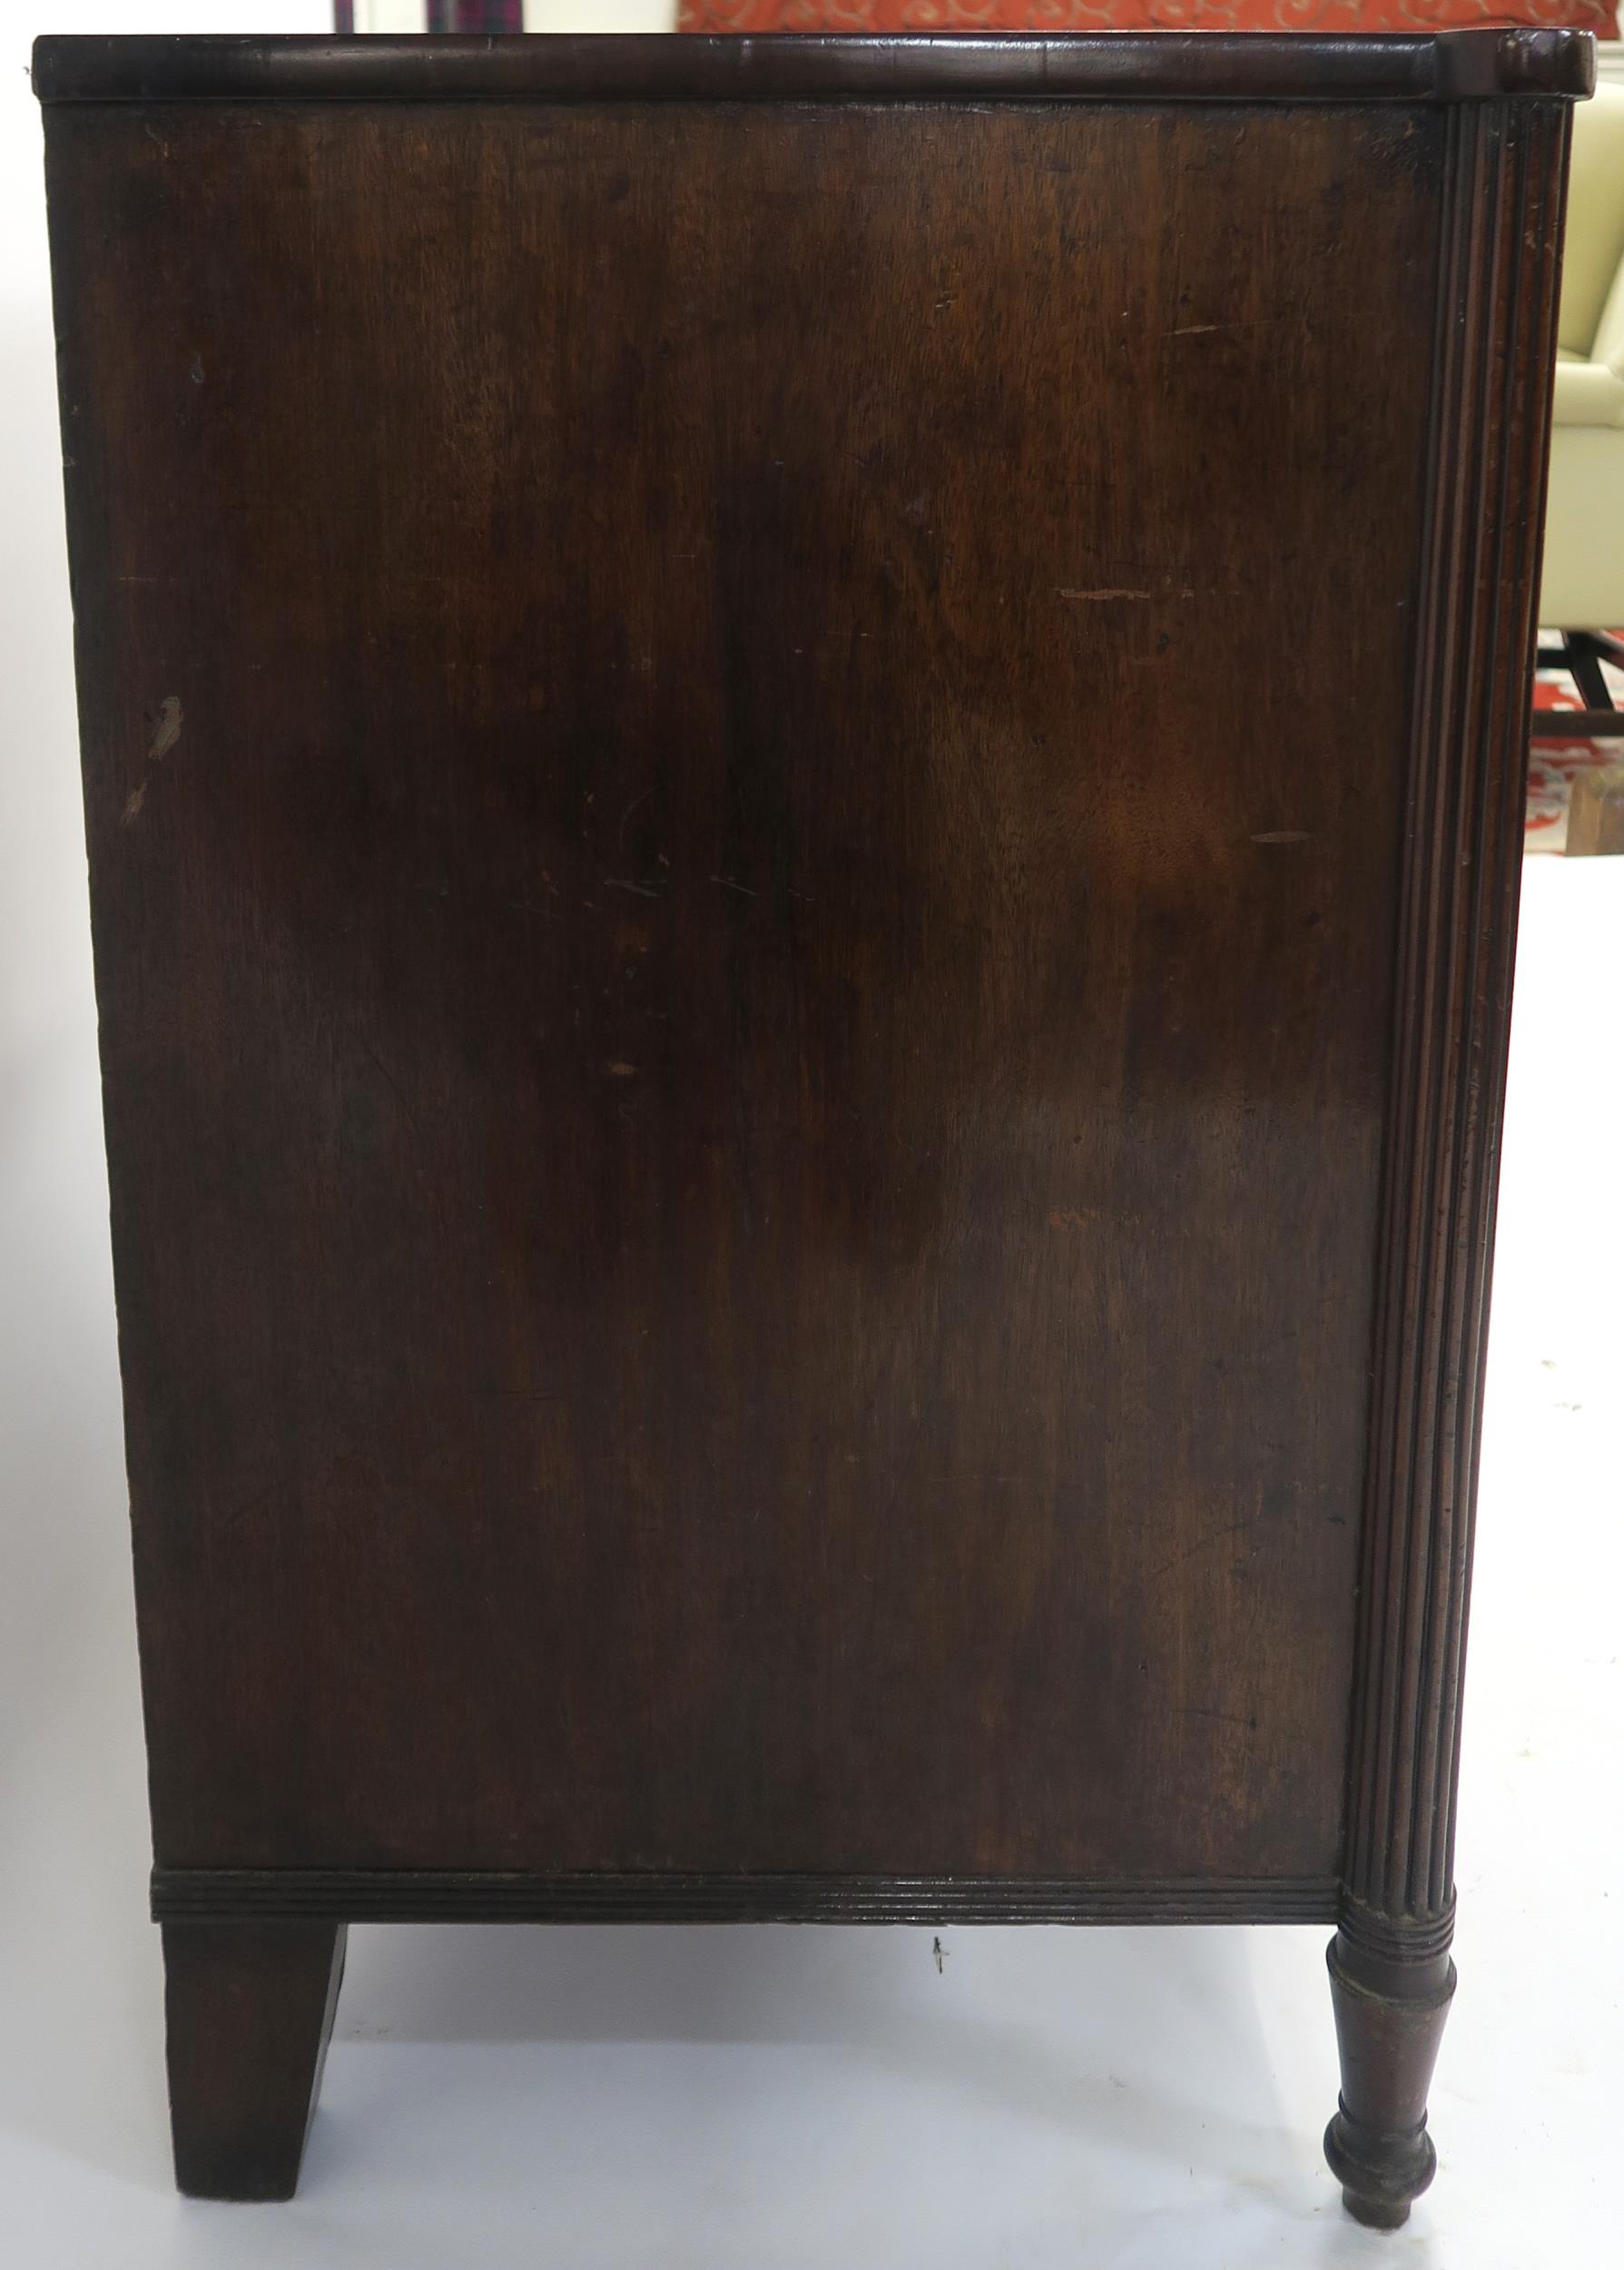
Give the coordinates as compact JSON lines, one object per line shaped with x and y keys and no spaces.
{"x":1121,"y":16}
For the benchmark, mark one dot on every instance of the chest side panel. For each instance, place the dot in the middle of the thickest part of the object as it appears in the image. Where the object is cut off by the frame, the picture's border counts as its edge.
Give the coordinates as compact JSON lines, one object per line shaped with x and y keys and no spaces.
{"x":745,"y":773}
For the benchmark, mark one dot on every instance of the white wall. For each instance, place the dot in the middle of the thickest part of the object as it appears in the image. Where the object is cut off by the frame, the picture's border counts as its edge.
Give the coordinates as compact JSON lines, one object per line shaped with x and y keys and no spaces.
{"x":540,"y":16}
{"x":600,"y":15}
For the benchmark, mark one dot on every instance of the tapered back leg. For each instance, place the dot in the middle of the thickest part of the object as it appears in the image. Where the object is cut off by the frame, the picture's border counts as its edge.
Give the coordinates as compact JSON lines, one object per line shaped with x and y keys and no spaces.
{"x":248,"y":2007}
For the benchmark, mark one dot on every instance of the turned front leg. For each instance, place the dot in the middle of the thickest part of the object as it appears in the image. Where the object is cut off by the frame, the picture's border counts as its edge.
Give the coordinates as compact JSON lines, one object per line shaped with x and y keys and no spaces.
{"x":1390,"y":2017}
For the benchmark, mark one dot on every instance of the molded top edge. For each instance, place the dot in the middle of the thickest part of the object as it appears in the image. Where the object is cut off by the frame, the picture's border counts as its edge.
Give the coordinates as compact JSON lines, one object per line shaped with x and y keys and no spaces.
{"x":1117,"y":66}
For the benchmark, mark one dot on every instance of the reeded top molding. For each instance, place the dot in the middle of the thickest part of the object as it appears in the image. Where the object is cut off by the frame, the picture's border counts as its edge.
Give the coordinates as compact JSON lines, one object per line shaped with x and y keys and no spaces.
{"x":1118,"y":66}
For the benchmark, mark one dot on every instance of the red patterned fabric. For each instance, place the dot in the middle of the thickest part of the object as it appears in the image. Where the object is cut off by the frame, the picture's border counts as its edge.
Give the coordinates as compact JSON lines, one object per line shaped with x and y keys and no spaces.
{"x":1140,"y":16}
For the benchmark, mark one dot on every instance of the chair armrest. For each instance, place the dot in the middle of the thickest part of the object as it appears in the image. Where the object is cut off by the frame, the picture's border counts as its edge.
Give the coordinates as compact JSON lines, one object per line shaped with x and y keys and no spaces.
{"x":1595,"y":238}
{"x":1587,"y":393}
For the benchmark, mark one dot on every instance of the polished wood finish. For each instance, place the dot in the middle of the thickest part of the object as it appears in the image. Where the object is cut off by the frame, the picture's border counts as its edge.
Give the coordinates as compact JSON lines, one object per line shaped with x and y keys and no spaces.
{"x":802,"y":1196}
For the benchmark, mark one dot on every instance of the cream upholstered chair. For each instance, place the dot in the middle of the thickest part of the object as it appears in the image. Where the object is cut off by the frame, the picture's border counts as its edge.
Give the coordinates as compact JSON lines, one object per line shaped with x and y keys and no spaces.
{"x":1583,"y":587}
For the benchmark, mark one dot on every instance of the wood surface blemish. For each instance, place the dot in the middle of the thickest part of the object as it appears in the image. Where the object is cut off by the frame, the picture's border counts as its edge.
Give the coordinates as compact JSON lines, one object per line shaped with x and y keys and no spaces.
{"x":168,"y":729}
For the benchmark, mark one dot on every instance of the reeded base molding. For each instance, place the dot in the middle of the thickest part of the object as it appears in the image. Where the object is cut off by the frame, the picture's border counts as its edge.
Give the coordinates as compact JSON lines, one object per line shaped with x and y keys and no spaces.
{"x":487,"y":1896}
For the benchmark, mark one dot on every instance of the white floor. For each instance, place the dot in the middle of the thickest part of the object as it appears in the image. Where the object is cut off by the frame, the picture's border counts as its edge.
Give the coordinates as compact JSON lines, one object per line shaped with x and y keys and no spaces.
{"x":769,"y":2098}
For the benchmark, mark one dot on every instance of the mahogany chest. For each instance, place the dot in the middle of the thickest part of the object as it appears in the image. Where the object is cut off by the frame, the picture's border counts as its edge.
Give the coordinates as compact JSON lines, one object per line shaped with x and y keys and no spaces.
{"x":802,"y":763}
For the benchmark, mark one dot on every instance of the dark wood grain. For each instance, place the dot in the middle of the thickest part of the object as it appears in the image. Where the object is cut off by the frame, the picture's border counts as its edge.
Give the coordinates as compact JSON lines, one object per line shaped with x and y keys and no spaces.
{"x":745,"y":1139}
{"x":802,"y":1171}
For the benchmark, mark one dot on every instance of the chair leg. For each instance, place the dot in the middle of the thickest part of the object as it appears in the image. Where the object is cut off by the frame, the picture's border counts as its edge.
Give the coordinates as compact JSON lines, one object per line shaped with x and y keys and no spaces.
{"x":1581,"y":655}
{"x":1585,"y":651}
{"x":249,"y":2007}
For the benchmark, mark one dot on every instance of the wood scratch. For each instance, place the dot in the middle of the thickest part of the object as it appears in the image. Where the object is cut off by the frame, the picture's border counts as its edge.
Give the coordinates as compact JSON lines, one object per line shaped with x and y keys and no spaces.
{"x":1203,"y":1544}
{"x":1245,"y":324}
{"x":392,"y":1084}
{"x":1112,"y":592}
{"x":1223,"y":1718}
